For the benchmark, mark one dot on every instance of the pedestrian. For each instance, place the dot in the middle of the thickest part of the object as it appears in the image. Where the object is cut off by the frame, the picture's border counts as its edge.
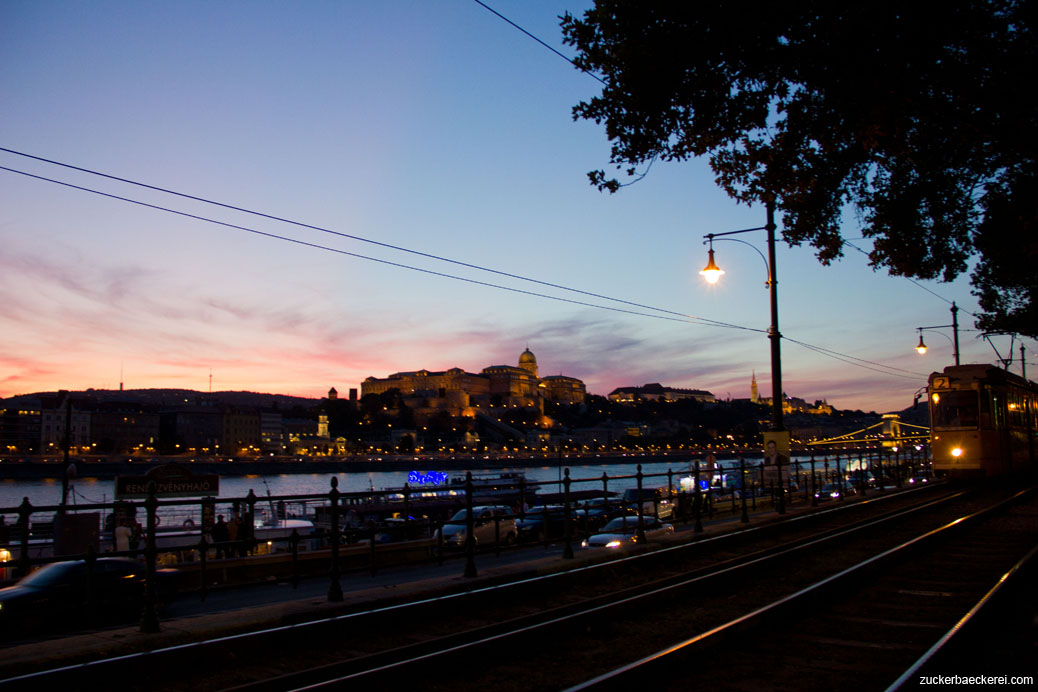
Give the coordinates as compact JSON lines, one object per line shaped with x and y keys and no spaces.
{"x":233,"y":529}
{"x":221,"y":535}
{"x":121,"y":535}
{"x":135,"y":536}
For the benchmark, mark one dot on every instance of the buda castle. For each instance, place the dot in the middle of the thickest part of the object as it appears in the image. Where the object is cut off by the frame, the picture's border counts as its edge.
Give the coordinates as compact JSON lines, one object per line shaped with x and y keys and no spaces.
{"x":463,"y":393}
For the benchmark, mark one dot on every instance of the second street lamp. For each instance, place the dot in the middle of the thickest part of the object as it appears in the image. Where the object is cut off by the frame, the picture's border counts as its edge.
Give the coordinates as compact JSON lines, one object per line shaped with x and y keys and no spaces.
{"x":712,"y":273}
{"x":921,"y":348}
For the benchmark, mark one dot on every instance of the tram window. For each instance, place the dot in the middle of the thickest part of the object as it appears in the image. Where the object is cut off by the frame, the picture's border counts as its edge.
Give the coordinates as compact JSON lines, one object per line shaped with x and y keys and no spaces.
{"x":956,"y":410}
{"x":1017,"y":410}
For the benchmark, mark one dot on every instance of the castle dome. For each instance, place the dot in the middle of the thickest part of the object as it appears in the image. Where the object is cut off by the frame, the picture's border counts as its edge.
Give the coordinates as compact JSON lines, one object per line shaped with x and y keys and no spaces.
{"x":527,"y":357}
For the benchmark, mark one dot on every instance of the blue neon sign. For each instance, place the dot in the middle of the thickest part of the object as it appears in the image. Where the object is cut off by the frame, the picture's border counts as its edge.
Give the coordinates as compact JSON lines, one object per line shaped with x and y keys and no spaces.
{"x":430,"y":478}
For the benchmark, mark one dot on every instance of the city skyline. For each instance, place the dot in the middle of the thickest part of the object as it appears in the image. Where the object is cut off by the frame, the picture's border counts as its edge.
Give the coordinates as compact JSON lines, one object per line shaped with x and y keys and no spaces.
{"x":436,"y":128}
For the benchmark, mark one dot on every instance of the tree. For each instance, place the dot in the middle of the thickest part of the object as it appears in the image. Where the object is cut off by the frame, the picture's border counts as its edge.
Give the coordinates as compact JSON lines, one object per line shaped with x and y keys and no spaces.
{"x":920,"y":118}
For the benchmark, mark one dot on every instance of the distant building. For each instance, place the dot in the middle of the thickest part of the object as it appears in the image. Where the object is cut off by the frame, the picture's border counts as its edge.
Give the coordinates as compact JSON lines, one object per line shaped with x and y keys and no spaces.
{"x":657,"y":392}
{"x":462,"y":393}
{"x":790,"y":404}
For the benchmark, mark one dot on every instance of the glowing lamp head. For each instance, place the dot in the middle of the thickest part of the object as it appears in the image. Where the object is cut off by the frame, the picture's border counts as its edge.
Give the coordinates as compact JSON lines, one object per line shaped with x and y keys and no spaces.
{"x":956,"y":452}
{"x":921,"y":348}
{"x":711,"y":272}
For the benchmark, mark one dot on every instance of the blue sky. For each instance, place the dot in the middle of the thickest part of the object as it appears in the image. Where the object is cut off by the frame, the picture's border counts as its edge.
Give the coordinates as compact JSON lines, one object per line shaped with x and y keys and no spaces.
{"x":433,"y":126}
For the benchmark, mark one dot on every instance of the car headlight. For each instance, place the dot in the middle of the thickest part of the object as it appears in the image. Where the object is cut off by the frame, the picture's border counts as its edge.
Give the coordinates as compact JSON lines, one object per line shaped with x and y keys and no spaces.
{"x":613,"y":544}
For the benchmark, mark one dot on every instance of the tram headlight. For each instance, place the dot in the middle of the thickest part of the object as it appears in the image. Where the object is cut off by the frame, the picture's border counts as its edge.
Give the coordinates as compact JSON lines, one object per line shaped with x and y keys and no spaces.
{"x":956,"y":452}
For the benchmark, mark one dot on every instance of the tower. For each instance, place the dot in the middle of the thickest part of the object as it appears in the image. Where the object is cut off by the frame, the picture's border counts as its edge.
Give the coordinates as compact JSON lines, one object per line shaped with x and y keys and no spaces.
{"x":528,"y":362}
{"x":754,"y":394}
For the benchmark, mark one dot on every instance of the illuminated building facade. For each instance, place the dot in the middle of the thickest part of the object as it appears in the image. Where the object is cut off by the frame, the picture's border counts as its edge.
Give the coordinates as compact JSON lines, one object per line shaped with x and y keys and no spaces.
{"x":460,"y":392}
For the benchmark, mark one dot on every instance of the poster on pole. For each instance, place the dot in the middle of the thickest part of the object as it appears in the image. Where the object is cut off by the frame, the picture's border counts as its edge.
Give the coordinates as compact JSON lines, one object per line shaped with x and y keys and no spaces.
{"x":776,"y":458}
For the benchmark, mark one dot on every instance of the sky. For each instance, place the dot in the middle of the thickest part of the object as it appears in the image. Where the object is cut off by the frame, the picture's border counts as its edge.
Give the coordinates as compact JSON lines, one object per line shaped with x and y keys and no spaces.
{"x":432,"y":126}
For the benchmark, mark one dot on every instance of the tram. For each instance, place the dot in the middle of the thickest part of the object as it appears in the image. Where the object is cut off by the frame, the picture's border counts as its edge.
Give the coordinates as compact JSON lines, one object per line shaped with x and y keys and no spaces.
{"x":983,"y":421}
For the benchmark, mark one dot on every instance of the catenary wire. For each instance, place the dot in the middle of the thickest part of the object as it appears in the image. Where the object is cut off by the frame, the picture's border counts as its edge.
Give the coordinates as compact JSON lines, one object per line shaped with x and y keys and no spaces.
{"x":642,"y":175}
{"x":358,"y":238}
{"x":553,"y":50}
{"x":677,"y":317}
{"x":684,"y":318}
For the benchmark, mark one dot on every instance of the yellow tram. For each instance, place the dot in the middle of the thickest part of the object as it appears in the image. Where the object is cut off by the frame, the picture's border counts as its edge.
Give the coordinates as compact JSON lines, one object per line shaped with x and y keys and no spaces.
{"x":983,"y":421}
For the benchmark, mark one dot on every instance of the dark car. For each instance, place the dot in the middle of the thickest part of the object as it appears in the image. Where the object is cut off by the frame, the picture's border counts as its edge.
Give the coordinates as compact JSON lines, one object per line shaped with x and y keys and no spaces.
{"x":67,"y":594}
{"x":834,"y":491}
{"x":547,"y":523}
{"x":600,"y":511}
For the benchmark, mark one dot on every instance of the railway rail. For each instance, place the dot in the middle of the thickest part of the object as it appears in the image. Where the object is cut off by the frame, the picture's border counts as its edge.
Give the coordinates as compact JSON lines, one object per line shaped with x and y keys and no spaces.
{"x":737,"y":597}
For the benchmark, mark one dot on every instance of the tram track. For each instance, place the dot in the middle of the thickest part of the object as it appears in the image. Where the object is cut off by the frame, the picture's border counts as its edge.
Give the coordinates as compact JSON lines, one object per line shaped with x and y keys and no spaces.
{"x":862,"y":627}
{"x":561,"y":645}
{"x":444,"y":641}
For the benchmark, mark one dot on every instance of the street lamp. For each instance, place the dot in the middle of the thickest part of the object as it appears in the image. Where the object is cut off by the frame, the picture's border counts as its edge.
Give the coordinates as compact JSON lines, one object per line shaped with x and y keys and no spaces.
{"x":922,"y":348}
{"x":712,"y":273}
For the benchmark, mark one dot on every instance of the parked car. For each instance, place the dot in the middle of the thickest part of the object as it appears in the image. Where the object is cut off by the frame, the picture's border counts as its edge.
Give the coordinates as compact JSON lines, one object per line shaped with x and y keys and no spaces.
{"x":622,"y":532}
{"x":601,"y":510}
{"x":654,"y":501}
{"x":833,"y":491}
{"x":63,"y":594}
{"x":491,"y":523}
{"x":548,"y":522}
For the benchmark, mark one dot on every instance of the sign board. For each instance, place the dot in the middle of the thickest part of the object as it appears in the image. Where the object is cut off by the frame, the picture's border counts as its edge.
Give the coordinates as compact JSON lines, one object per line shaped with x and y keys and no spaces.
{"x":776,"y":457}
{"x":171,"y":480}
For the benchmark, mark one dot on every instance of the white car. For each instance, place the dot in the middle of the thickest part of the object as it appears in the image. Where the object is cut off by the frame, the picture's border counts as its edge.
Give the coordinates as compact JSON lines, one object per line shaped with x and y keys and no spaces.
{"x":490,"y":524}
{"x":623,"y":532}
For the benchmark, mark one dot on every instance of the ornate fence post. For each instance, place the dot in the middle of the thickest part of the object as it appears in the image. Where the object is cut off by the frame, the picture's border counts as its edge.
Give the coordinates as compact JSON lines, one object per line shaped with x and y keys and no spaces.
{"x":567,"y":529}
{"x":203,"y":559}
{"x":814,"y":483}
{"x":293,"y":544}
{"x":745,"y":519}
{"x":697,"y":502}
{"x":249,"y":524}
{"x":149,"y":619}
{"x":641,"y":520}
{"x":334,"y":587}
{"x":24,"y":561}
{"x":470,"y":527}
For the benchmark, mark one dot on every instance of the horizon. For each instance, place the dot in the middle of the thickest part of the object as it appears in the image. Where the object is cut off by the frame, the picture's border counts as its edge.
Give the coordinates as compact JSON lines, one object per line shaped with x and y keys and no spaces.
{"x":438,"y":129}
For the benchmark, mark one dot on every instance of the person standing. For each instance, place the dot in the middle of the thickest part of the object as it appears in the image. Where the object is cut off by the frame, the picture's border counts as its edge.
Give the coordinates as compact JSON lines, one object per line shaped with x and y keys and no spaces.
{"x":122,"y":535}
{"x":233,"y":529}
{"x":221,"y":536}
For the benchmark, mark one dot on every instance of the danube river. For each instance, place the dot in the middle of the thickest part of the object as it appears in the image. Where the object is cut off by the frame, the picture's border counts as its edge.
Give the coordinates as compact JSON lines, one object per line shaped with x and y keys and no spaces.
{"x":86,"y":490}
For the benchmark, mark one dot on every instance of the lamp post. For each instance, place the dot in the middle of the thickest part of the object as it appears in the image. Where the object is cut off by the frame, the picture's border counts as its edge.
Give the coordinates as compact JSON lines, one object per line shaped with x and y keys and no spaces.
{"x":712,"y":273}
{"x":922,"y":348}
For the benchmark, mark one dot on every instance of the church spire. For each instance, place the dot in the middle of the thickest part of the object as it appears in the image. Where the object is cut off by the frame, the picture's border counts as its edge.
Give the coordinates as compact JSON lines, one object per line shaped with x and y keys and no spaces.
{"x":754,"y":394}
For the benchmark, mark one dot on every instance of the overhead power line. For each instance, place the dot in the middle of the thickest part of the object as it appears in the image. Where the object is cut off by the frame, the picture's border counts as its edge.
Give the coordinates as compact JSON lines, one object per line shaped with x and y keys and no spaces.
{"x":552,"y":49}
{"x":668,"y":315}
{"x":316,"y":246}
{"x":362,"y":239}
